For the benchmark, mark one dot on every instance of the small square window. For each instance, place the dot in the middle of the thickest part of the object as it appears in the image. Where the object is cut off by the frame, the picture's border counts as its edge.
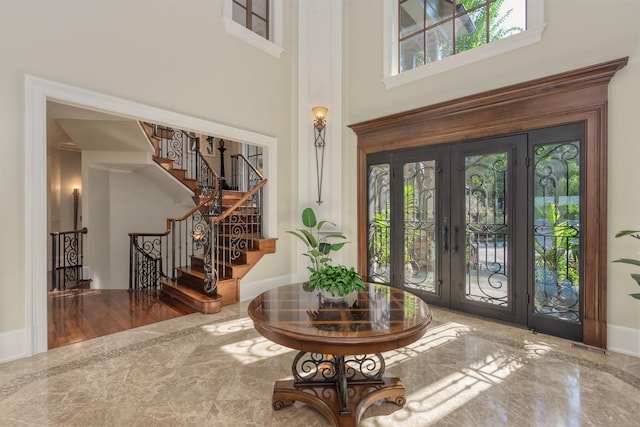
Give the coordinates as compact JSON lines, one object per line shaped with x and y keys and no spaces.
{"x":253,"y":15}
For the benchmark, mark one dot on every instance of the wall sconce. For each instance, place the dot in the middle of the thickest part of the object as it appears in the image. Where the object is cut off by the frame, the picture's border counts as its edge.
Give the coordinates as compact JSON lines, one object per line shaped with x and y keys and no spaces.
{"x":319,"y":125}
{"x":76,"y":198}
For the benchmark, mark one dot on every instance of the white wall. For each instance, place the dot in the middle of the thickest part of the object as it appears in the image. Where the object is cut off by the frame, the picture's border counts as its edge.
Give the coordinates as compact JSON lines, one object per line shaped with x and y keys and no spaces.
{"x":122,"y":48}
{"x":578,"y":33}
{"x":136,"y":204}
{"x":98,"y":255}
{"x":64,"y":174}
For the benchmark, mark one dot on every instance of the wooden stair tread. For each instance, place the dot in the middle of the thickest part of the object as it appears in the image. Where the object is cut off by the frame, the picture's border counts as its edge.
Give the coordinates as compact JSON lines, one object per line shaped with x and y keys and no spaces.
{"x":192,"y":271}
{"x":198,"y":301}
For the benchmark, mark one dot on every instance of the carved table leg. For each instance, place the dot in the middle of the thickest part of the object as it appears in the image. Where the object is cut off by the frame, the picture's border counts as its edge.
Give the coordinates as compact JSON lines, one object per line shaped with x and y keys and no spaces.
{"x":337,"y":386}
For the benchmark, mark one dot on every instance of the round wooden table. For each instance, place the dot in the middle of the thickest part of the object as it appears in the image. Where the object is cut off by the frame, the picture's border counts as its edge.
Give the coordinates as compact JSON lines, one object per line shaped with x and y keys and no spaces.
{"x":339,"y":369}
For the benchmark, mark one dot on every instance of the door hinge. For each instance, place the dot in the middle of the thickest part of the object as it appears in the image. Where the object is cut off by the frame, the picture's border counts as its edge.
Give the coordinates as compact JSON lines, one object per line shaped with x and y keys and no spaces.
{"x":527,"y":160}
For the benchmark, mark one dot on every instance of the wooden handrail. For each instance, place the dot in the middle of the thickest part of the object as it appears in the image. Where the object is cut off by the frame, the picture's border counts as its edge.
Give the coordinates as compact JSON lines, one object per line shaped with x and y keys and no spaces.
{"x":182,"y":218}
{"x":244,"y":198}
{"x":83,"y":230}
{"x":250,"y":164}
{"x":204,"y":159}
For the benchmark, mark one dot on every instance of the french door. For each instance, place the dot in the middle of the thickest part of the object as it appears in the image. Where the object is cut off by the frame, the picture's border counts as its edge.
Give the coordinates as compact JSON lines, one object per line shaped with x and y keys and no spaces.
{"x":489,"y":227}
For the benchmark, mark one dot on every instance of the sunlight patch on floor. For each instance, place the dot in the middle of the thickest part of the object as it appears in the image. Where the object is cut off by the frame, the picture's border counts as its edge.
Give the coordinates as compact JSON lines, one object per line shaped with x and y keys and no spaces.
{"x":231,"y":327}
{"x":446,"y":395}
{"x":254,"y":350}
{"x":435,"y":337}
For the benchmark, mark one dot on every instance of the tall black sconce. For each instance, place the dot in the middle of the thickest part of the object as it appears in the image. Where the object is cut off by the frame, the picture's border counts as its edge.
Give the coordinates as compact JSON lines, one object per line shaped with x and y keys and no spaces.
{"x":319,"y":125}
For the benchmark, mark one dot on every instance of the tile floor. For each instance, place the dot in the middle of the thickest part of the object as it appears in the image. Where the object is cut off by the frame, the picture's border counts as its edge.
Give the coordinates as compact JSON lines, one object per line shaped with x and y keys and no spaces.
{"x":215,"y":370}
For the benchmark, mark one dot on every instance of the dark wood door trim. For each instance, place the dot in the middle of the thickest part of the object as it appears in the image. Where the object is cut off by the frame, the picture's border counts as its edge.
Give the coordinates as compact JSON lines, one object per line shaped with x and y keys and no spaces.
{"x":574,"y":96}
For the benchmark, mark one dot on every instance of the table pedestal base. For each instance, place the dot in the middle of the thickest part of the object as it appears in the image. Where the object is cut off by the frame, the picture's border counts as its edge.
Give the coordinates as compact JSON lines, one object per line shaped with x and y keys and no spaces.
{"x":325,"y":397}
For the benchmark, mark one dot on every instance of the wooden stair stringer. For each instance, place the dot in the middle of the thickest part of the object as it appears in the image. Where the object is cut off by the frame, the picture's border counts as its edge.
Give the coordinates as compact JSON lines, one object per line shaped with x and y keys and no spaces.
{"x":188,"y":286}
{"x":178,"y":174}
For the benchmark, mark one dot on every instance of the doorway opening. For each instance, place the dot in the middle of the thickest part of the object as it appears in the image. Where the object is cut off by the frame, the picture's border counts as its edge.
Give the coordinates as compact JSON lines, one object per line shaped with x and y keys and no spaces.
{"x":38,"y":92}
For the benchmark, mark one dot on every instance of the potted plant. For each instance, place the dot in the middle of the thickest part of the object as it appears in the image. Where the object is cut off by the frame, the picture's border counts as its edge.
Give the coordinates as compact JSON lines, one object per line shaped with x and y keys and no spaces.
{"x":335,"y":280}
{"x":636,"y":235}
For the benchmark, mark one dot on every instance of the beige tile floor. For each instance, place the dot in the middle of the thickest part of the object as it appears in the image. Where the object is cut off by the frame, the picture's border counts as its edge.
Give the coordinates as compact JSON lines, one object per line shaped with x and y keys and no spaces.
{"x":215,"y":370}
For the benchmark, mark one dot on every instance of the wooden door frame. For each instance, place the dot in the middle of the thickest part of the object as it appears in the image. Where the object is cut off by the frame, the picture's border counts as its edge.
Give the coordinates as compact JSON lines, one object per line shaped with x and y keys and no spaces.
{"x":575,"y":96}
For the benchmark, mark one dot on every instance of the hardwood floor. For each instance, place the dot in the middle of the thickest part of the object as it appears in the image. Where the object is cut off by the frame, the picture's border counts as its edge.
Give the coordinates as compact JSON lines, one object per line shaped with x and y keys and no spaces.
{"x":80,"y":314}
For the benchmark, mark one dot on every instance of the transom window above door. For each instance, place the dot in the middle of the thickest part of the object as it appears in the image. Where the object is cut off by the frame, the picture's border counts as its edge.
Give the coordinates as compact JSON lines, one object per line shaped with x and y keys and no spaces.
{"x":430,"y":30}
{"x":426,"y":37}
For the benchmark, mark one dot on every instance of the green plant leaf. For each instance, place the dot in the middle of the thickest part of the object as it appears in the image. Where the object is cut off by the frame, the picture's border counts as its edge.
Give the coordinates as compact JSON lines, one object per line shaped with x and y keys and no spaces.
{"x":335,"y":235}
{"x":309,"y":218}
{"x":325,"y":247}
{"x":627,"y":232}
{"x":338,"y":246}
{"x":636,"y":277}
{"x":322,"y":223}
{"x":628,"y":261}
{"x":315,"y":253}
{"x":636,"y":296}
{"x":299,"y":236}
{"x":311,"y":240}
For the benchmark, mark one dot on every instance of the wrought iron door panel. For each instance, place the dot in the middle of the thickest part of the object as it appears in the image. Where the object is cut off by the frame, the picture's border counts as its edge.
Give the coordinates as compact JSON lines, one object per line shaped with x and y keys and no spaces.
{"x":379,"y":228}
{"x":555,"y":236}
{"x":486,"y":229}
{"x":419,"y":225}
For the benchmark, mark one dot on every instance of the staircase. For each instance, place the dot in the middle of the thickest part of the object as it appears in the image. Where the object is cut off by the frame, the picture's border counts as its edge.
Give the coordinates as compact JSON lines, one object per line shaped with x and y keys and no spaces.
{"x":201,"y":257}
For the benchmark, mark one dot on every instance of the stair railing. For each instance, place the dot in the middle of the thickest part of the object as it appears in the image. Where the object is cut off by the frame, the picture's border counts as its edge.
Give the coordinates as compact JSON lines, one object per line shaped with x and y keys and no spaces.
{"x":67,"y":255}
{"x":154,"y":256}
{"x":206,"y":176}
{"x":218,"y":240}
{"x":183,"y":149}
{"x":217,"y":237}
{"x":244,"y":175}
{"x":146,"y":260}
{"x":179,"y":146}
{"x":236,"y":229}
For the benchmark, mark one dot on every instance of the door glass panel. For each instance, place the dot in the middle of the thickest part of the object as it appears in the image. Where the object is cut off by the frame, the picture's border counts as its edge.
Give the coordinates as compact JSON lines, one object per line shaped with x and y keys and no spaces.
{"x":419,"y":205}
{"x":379,"y":241}
{"x":556,"y":231}
{"x":487,"y":229}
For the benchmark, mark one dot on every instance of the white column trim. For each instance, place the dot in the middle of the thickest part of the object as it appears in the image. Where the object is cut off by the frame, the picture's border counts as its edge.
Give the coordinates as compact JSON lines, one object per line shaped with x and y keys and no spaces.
{"x":319,"y":84}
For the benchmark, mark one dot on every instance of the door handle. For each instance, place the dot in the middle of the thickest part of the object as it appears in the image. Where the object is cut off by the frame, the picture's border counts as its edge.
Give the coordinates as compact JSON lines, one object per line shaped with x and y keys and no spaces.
{"x":455,"y":239}
{"x":445,"y":236}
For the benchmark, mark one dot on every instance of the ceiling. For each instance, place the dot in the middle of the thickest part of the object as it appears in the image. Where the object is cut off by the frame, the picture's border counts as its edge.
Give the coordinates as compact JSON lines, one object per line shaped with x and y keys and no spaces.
{"x":79,"y":129}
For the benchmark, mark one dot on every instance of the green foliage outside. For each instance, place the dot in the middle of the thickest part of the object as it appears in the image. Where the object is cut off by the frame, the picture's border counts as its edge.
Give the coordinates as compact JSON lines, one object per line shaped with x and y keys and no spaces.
{"x":497,"y":19}
{"x":561,"y":256}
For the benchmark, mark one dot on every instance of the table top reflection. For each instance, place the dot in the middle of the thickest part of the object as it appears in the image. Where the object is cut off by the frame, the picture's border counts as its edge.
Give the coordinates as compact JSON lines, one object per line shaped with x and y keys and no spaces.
{"x":380,"y":318}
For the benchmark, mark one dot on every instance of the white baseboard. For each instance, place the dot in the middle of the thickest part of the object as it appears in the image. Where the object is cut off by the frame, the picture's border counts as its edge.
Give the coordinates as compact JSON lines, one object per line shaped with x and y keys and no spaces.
{"x":623,"y":340}
{"x":13,"y":345}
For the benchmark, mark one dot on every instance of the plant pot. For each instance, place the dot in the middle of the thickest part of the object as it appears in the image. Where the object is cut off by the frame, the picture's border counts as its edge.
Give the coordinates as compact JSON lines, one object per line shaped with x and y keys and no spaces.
{"x":349,"y":298}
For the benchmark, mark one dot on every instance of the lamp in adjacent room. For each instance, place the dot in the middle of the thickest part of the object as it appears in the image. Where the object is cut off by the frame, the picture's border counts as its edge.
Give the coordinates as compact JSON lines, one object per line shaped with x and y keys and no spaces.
{"x":319,"y":125}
